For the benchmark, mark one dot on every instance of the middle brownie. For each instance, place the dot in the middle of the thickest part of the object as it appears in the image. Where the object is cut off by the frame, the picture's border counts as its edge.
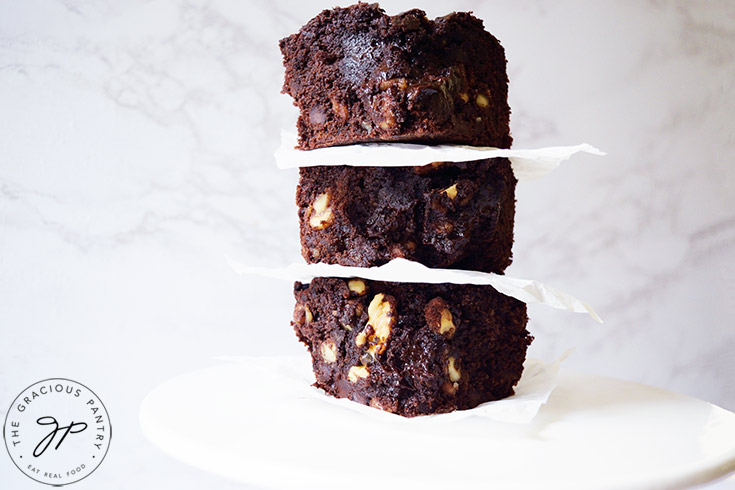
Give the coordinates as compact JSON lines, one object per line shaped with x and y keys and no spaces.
{"x":446,"y":215}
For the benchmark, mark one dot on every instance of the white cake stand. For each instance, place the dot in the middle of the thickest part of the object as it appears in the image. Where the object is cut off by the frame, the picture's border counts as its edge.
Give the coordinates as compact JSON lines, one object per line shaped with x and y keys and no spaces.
{"x":594,"y":433}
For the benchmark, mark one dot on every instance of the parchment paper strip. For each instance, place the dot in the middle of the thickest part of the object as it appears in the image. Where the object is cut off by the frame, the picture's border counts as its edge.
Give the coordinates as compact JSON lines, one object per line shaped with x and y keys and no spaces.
{"x":402,"y":270}
{"x":294,"y":375}
{"x":526,"y":164}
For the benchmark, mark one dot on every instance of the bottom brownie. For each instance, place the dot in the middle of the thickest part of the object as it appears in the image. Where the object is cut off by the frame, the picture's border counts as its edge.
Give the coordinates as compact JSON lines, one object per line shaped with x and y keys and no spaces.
{"x":411,"y":349}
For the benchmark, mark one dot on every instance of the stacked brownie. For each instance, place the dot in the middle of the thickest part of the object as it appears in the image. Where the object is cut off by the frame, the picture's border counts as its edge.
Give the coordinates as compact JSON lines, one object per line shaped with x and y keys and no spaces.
{"x":358,"y":75}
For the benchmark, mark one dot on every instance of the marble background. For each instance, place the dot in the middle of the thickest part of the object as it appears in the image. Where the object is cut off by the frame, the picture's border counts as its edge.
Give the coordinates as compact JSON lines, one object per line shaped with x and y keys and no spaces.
{"x":135,"y":151}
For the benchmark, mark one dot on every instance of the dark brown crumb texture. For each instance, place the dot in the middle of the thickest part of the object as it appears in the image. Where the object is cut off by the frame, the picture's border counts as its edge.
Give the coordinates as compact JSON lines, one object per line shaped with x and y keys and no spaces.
{"x":448,"y":215}
{"x":359,"y":75}
{"x":411,"y":349}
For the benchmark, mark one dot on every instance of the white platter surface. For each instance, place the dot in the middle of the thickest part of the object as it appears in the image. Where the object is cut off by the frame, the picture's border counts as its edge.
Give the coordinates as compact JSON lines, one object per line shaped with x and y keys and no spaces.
{"x":248,"y":421}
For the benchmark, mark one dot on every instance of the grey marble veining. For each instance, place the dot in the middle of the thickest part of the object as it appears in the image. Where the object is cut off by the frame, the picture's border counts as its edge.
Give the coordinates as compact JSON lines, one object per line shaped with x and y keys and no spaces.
{"x":136,"y":144}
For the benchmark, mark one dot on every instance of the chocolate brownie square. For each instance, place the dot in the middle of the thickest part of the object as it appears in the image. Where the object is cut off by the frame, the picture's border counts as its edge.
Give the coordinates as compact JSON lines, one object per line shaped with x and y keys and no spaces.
{"x":359,"y":75}
{"x":411,"y":349}
{"x":446,"y":215}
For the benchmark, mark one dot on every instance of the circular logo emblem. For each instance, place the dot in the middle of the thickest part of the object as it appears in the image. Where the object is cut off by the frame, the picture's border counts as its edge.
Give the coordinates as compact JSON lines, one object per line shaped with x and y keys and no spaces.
{"x":57,"y":431}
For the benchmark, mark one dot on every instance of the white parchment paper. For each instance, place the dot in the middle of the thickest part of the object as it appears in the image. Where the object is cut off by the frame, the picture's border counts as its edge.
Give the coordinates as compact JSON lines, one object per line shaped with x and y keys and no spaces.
{"x":294,"y":376}
{"x":533,"y":390}
{"x":526,"y":164}
{"x":402,"y":270}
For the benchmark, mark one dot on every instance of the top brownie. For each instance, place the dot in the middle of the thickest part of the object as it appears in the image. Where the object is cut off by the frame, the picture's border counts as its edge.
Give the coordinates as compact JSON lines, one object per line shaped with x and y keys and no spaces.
{"x":358,"y":75}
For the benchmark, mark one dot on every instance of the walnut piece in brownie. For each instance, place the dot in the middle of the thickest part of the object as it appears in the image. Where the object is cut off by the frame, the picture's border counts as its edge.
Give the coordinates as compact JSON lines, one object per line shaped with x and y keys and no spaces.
{"x":359,"y":75}
{"x":411,"y":349}
{"x":446,"y":215}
